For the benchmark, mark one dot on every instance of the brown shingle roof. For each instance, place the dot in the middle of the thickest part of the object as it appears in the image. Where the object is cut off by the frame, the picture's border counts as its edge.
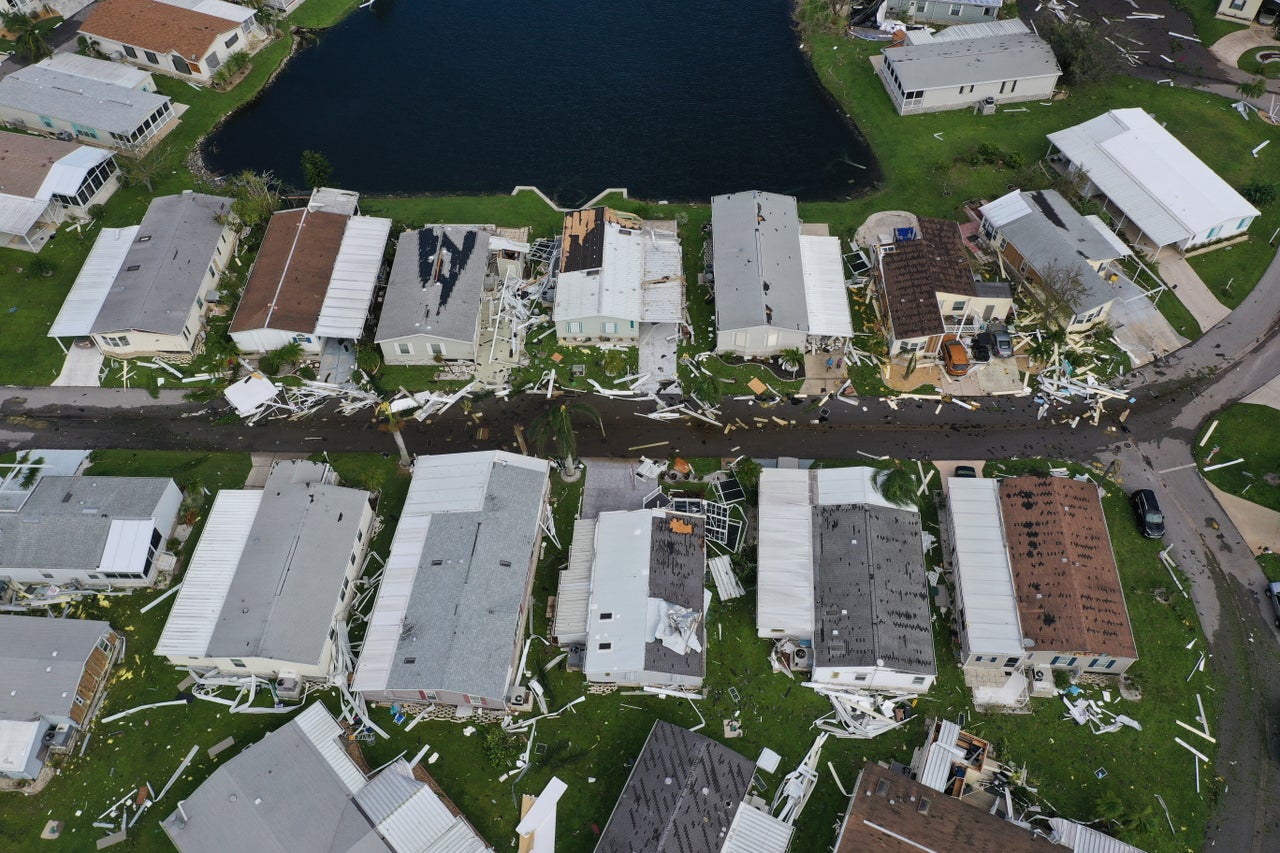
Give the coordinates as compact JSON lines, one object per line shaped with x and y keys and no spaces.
{"x":916,"y":270}
{"x":25,"y":162}
{"x":291,"y":275}
{"x":885,"y":817}
{"x":156,"y":26}
{"x":1064,"y":572}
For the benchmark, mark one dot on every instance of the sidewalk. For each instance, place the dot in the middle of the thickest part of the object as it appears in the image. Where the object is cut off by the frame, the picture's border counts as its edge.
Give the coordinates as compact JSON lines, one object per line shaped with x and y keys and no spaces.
{"x":1232,"y":46}
{"x":1191,"y":291}
{"x":31,"y":399}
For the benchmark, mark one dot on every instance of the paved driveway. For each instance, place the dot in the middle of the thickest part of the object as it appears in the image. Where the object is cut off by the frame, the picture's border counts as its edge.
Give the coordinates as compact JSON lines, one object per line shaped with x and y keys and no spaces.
{"x":81,"y":368}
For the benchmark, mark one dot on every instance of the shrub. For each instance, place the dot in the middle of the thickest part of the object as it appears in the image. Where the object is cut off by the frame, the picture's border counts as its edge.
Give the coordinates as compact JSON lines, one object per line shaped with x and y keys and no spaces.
{"x":1259,"y":192}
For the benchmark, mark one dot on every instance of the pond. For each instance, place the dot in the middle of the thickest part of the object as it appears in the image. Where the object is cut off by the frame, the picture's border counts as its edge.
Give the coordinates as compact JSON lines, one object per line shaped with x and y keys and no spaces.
{"x":672,"y":99}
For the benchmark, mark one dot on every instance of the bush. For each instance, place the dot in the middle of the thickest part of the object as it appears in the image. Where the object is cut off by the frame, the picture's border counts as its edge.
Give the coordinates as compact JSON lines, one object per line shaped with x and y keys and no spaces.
{"x":1259,"y":192}
{"x":499,"y":747}
{"x":1082,"y":50}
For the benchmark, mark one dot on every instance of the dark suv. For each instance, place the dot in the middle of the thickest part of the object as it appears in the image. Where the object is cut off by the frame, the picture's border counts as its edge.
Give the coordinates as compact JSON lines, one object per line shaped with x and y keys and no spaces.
{"x":1147,"y":509}
{"x":1273,"y":593}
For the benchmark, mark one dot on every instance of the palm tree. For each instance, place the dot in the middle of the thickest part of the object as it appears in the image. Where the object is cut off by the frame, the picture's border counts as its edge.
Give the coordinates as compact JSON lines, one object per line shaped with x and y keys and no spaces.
{"x":706,"y":389}
{"x":1254,"y":88}
{"x":554,"y":430}
{"x":393,"y":425}
{"x":897,"y":485}
{"x":791,"y":359}
{"x":28,"y":39}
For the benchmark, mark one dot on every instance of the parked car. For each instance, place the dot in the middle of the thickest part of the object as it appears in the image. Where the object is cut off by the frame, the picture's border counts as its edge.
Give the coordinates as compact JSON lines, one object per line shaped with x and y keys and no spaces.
{"x":1147,"y":509}
{"x":966,"y":472}
{"x":954,"y":358}
{"x":1003,"y":343}
{"x":984,"y":344}
{"x":1268,"y":13}
{"x":1273,"y":593}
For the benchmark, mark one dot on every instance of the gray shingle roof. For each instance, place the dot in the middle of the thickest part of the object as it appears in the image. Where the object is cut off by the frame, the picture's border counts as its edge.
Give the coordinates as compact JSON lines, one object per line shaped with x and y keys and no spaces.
{"x":972,"y":61}
{"x":677,"y":569}
{"x":756,"y":256}
{"x":279,"y":795}
{"x":92,"y":103}
{"x":681,"y":796}
{"x":871,"y":602}
{"x":41,"y":661}
{"x":461,"y":617}
{"x":65,"y":520}
{"x":171,"y":252}
{"x":436,"y":283}
{"x":280,"y":603}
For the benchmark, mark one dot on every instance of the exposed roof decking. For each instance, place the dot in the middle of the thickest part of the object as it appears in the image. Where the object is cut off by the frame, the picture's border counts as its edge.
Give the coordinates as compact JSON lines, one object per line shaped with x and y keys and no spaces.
{"x":436,"y":284}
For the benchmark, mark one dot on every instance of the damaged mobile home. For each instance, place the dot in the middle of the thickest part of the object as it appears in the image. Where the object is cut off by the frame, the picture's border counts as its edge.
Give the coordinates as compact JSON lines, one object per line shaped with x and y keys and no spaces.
{"x":448,"y":624}
{"x":272,"y":576}
{"x":843,"y":568}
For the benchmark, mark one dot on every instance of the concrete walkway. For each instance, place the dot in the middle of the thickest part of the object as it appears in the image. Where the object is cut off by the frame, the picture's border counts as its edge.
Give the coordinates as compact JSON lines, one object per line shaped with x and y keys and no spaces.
{"x":1267,"y":395}
{"x":1232,"y":46}
{"x":1191,"y":291}
{"x":81,"y":368}
{"x":657,"y":355}
{"x":1258,"y":526}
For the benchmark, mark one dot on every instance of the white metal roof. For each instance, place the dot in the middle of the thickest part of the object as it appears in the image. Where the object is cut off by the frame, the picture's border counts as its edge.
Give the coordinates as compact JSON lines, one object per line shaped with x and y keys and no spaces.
{"x":937,"y":763}
{"x":662,"y":301}
{"x":1153,"y":178}
{"x":422,"y":822}
{"x":1009,"y":207}
{"x":101,"y":70}
{"x":1084,"y":839}
{"x":66,"y":175}
{"x":825,"y":295}
{"x":128,"y":544}
{"x":754,"y":831}
{"x":355,"y":274}
{"x":854,"y":485}
{"x":332,"y":200}
{"x":574,"y":590}
{"x":18,"y":739}
{"x":323,"y":731}
{"x":18,"y":214}
{"x":80,"y":308}
{"x":247,"y":394}
{"x":620,"y":586}
{"x":213,"y":567}
{"x":216,"y":8}
{"x":985,"y":577}
{"x":784,"y":579}
{"x":633,"y":259}
{"x":1105,"y":232}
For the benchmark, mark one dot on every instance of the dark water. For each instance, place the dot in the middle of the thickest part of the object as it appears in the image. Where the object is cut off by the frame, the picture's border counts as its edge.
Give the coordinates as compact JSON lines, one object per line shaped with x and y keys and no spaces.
{"x":675,"y":99}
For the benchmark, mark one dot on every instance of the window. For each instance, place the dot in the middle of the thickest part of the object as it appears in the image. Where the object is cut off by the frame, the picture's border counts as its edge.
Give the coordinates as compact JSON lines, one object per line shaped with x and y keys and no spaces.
{"x":333,"y":632}
{"x":411,"y":660}
{"x":199,"y":302}
{"x":923,"y":806}
{"x":911,"y":346}
{"x":213,"y":61}
{"x":740,"y":340}
{"x":989,"y":12}
{"x":771,"y":340}
{"x":180,"y":65}
{"x":404,"y":348}
{"x":1002,"y":85}
{"x":104,"y":643}
{"x":609,"y":328}
{"x":437,"y":349}
{"x":919,"y":679}
{"x":1244,"y":223}
{"x":235,"y":37}
{"x":46,"y":575}
{"x":116,"y":341}
{"x":1110,"y":663}
{"x":353,"y":559}
{"x":882,"y":787}
{"x":130,"y":52}
{"x":606,"y":616}
{"x":151,"y":57}
{"x":359,"y":535}
{"x":46,"y":121}
{"x":575,"y":328}
{"x":958,"y":305}
{"x":1009,"y":662}
{"x":862,"y":676}
{"x":237,"y":662}
{"x":604,"y":647}
{"x":91,"y":133}
{"x":1238,"y":5}
{"x":302,"y":339}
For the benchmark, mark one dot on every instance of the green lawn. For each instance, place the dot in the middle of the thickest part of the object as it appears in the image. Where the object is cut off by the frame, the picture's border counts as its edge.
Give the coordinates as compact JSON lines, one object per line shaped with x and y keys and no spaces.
{"x":210,"y":470}
{"x":523,"y":208}
{"x":317,"y":14}
{"x":1208,"y":28}
{"x":1245,"y":431}
{"x":1250,"y":62}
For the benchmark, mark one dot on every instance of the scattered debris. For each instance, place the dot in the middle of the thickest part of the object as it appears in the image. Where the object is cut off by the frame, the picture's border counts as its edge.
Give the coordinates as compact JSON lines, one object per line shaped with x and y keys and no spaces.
{"x":862,"y":715}
{"x":797,"y":785}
